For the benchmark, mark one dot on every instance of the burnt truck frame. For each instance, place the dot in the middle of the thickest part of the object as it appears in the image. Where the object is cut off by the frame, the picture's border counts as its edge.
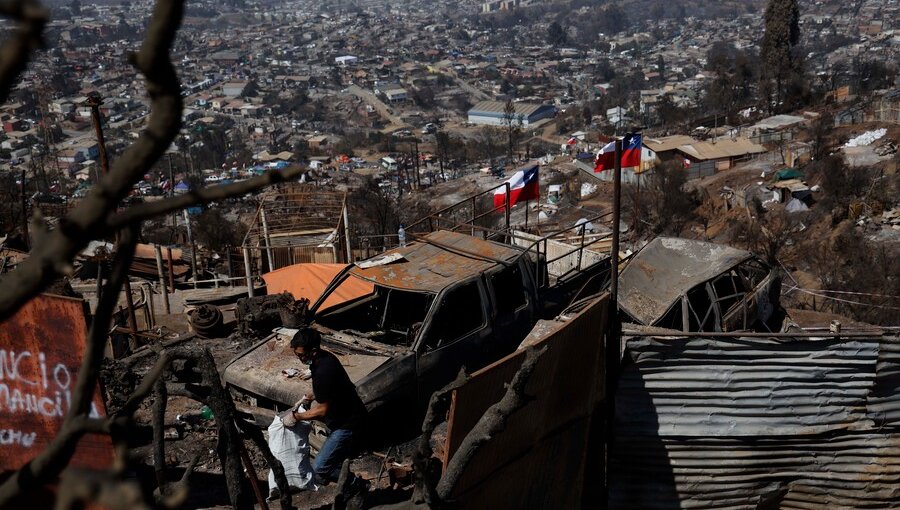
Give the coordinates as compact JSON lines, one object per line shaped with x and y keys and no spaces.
{"x":697,"y":286}
{"x":443,"y":303}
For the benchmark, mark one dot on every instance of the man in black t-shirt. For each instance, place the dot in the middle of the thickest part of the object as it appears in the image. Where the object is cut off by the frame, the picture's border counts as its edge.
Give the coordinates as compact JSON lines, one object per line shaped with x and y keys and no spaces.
{"x":339,"y":405}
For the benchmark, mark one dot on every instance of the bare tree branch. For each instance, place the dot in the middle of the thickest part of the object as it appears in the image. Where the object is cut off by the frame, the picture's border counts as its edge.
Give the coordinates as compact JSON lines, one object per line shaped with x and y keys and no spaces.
{"x":438,"y":405}
{"x":182,"y":390}
{"x":159,"y":440}
{"x":50,"y":462}
{"x":28,"y":37}
{"x":202,"y":196}
{"x":493,"y":422}
{"x":54,"y":251}
{"x":179,"y":492}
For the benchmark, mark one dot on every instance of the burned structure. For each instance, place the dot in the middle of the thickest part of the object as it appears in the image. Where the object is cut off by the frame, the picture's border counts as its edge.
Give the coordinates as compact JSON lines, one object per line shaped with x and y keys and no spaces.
{"x":690,"y":285}
{"x":298,"y":223}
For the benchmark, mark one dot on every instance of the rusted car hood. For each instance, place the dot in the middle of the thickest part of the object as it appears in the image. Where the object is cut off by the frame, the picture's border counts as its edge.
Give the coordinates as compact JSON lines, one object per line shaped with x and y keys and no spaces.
{"x":259,"y":370}
{"x":667,"y":268}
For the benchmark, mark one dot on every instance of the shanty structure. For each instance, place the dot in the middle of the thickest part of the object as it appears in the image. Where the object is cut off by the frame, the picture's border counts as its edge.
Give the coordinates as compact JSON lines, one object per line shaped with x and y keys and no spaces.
{"x":295,"y":224}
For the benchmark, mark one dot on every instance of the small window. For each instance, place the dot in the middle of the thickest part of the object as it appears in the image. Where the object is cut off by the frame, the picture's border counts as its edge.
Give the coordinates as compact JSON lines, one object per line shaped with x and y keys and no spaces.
{"x":460,"y":313}
{"x":509,"y":290}
{"x":730,"y":291}
{"x":702,"y":311}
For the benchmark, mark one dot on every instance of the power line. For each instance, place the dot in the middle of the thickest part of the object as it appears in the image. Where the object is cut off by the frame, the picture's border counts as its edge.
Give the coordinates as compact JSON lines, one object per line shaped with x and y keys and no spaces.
{"x":848,"y":301}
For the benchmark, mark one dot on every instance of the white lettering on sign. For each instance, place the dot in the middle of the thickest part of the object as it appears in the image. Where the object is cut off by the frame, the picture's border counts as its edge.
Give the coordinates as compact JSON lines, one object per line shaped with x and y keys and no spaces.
{"x":17,"y":437}
{"x":25,"y":387}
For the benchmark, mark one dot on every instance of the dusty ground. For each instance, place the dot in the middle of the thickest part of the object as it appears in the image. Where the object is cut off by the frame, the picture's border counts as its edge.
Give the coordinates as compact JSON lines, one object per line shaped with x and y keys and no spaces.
{"x":189,"y":434}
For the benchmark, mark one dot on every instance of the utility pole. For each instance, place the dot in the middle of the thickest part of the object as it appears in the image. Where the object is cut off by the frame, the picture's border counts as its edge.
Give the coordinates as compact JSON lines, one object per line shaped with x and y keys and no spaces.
{"x":613,"y":347}
{"x":25,"y":213}
{"x":418,"y":181}
{"x":94,"y":103}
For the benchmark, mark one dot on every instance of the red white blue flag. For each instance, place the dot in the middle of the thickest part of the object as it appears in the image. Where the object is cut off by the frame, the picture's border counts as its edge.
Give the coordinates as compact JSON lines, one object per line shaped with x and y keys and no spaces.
{"x":524,"y":185}
{"x":606,"y":158}
{"x":631,"y":154}
{"x":631,"y":150}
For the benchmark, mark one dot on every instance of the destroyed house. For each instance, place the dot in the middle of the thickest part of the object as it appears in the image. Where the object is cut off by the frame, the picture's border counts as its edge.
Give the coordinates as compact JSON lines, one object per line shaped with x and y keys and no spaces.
{"x":298,"y":223}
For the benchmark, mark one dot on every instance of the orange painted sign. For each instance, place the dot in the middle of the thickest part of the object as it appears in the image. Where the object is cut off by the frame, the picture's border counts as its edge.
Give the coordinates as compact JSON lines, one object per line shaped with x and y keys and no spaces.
{"x":41,"y":348}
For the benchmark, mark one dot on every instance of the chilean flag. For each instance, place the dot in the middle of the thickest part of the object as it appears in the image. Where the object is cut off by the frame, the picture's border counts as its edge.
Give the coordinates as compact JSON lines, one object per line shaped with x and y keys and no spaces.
{"x":522,"y":186}
{"x":631,"y":154}
{"x":631,"y":150}
{"x":606,"y":158}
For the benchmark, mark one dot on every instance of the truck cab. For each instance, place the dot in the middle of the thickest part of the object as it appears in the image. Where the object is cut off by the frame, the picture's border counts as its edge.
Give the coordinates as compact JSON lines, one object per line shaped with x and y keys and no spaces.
{"x":405,"y":323}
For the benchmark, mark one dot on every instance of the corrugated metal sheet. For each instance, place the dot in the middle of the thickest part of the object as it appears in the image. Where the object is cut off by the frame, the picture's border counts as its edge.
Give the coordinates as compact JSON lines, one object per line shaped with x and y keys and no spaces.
{"x":310,"y":281}
{"x":758,"y":423}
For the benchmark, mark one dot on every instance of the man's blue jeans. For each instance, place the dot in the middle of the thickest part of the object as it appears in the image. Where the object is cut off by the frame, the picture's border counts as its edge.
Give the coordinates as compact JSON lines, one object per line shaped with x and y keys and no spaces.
{"x":337,"y":448}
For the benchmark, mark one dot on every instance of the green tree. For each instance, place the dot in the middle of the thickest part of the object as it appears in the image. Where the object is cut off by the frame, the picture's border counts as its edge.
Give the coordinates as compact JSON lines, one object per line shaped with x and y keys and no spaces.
{"x":782,"y":22}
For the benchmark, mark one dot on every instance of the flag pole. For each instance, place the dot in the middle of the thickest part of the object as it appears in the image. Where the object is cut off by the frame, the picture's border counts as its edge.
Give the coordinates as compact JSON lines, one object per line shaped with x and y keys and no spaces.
{"x":617,"y":209}
{"x":612,"y":347}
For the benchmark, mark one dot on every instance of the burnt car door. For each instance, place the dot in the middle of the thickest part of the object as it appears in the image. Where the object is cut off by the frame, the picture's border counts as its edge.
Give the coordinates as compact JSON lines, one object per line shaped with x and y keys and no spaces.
{"x":513,"y":309}
{"x":454,"y":336}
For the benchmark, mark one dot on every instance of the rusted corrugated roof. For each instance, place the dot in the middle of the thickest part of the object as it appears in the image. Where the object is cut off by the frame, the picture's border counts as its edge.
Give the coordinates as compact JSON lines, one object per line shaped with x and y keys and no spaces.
{"x":668,"y":267}
{"x":438,"y":260}
{"x":735,"y":422}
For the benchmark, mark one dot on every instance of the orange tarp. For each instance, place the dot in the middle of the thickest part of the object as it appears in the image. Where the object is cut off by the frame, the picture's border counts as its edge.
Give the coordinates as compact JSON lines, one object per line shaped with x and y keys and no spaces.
{"x":310,"y":280}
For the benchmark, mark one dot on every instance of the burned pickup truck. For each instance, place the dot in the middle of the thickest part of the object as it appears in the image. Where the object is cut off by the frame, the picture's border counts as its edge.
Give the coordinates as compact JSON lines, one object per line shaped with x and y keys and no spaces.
{"x":697,"y":286}
{"x":426,"y":310}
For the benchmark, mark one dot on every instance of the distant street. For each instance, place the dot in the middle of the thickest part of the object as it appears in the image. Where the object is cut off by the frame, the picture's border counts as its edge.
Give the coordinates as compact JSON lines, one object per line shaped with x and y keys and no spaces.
{"x":371,"y":99}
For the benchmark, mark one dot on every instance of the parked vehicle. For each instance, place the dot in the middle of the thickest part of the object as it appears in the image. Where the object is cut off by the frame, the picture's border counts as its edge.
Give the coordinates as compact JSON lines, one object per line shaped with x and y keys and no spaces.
{"x":443,"y":303}
{"x":689,"y":285}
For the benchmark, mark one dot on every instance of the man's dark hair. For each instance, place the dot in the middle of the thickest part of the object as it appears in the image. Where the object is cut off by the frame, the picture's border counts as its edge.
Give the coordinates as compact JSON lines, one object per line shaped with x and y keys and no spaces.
{"x":307,"y":338}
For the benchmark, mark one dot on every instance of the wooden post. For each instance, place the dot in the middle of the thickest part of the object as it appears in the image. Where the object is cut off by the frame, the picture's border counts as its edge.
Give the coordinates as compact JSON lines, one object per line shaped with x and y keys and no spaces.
{"x":347,"y":233}
{"x":171,"y":268}
{"x":506,"y":210}
{"x":230,"y":266}
{"x":162,"y":279}
{"x":247,"y":271}
{"x":265,"y":226}
{"x":132,"y":319}
{"x":187,"y":221}
{"x":526,"y":215}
